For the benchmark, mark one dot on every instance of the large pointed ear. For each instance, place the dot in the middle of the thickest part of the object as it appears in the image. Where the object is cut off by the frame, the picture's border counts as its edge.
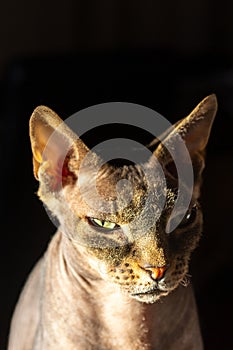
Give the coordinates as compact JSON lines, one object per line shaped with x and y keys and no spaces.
{"x":194,"y":130}
{"x":54,"y":144}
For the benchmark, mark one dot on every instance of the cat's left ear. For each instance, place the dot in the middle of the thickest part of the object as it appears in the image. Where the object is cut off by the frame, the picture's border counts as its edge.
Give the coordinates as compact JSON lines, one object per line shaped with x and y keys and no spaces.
{"x":54,"y":145}
{"x":194,"y":130}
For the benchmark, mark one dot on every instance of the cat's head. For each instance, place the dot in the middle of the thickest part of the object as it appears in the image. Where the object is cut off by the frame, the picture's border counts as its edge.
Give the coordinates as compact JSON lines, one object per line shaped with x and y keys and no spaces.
{"x":119,"y":230}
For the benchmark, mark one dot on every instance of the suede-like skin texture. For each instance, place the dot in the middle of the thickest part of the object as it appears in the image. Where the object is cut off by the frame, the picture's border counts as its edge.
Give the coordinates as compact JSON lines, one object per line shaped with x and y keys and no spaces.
{"x":119,"y":288}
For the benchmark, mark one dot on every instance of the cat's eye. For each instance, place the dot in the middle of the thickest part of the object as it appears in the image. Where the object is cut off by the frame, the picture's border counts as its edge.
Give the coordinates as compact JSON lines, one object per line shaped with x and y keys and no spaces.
{"x":179,"y":221}
{"x":189,"y":217}
{"x":103,"y":224}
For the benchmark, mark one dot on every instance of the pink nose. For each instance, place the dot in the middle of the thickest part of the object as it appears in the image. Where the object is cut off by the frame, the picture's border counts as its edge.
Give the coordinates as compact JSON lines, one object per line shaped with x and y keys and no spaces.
{"x":156,"y":272}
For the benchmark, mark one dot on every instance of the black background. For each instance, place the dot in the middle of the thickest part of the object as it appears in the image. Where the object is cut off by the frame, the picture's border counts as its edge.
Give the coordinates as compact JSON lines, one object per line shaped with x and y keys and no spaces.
{"x":72,"y":55}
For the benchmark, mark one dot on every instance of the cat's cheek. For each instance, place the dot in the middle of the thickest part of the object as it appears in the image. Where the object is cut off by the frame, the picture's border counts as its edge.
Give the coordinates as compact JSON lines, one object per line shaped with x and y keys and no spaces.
{"x":183,"y":242}
{"x":100,"y":268}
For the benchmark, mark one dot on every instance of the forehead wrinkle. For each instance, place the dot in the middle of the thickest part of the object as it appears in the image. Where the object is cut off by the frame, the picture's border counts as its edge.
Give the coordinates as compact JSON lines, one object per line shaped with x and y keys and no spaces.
{"x":108,"y":176}
{"x":106,"y":181}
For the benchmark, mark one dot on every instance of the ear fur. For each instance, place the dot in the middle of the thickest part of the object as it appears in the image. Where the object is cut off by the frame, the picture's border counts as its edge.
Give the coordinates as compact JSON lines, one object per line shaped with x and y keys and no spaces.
{"x":52,"y":141}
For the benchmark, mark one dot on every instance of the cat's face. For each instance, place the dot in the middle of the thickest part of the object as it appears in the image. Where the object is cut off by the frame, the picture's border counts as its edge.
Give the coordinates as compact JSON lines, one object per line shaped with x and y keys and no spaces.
{"x":147,"y":264}
{"x":126,"y":244}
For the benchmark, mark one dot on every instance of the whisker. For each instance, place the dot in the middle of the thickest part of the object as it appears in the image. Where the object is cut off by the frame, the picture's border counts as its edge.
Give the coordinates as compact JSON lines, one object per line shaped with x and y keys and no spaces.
{"x":186,"y":280}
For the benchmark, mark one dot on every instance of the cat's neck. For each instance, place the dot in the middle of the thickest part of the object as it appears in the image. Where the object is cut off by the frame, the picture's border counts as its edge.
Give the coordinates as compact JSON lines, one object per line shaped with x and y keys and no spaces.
{"x":81,"y":303}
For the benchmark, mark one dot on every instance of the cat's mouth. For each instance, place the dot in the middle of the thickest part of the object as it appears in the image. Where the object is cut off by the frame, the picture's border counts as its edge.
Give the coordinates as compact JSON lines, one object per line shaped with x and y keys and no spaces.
{"x":149,"y":292}
{"x":149,"y":296}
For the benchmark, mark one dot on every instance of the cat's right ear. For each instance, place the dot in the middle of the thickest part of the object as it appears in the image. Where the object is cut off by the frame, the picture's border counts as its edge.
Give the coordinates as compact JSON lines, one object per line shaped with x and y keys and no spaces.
{"x":53,"y":144}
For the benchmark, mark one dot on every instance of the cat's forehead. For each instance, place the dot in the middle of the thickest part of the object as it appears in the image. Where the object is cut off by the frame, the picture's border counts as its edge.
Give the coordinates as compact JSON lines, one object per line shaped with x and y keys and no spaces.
{"x":113,"y":174}
{"x":123,"y":193}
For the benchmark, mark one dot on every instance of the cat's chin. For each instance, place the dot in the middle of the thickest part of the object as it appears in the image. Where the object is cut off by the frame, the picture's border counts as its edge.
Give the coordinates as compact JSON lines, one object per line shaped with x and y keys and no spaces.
{"x":149,"y":297}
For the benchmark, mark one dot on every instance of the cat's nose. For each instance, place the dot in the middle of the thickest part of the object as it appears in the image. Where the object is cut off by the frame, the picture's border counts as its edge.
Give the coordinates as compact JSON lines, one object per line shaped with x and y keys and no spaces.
{"x":157,"y":273}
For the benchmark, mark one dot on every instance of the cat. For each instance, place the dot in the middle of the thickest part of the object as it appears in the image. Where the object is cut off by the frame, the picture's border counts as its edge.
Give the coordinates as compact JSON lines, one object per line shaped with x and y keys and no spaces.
{"x":100,"y":286}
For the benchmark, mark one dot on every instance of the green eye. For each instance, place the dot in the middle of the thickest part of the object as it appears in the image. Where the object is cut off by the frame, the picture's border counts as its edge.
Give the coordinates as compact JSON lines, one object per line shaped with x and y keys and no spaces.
{"x":108,"y":225}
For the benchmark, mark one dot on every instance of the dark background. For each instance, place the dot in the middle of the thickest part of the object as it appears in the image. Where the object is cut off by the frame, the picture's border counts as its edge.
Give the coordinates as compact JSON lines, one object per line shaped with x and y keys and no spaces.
{"x":72,"y":54}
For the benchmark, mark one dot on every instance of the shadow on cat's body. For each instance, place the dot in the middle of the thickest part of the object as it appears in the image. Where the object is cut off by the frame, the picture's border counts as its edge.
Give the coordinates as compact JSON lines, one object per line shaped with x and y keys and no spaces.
{"x":124,"y":294}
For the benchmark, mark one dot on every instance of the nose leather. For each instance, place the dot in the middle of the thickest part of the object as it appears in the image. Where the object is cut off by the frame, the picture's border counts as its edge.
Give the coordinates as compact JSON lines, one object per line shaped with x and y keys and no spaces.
{"x":156,"y":272}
